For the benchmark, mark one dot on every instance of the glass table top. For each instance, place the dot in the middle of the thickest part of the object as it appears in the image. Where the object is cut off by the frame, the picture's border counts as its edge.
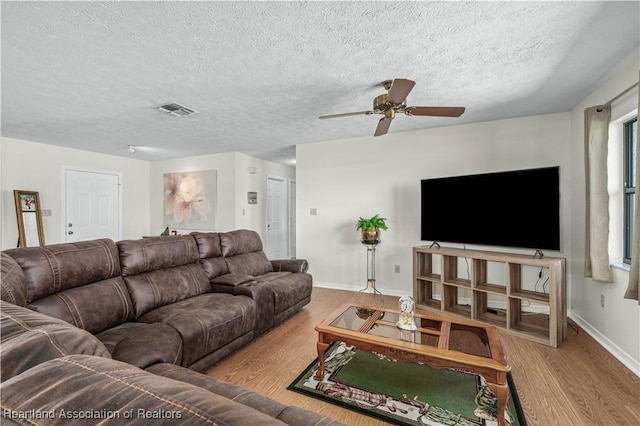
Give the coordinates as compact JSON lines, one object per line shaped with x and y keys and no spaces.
{"x":378,"y":322}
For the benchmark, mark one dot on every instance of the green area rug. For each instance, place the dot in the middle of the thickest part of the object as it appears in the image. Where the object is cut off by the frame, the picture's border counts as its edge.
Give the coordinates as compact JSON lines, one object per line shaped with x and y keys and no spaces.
{"x":404,"y":393}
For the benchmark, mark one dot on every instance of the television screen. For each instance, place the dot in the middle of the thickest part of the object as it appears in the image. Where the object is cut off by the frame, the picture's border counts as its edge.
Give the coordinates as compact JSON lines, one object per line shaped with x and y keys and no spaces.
{"x":519,"y":208}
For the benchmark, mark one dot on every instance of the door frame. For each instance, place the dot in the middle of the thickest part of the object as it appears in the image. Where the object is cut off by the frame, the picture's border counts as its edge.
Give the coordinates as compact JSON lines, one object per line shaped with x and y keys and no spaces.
{"x":284,"y":200}
{"x":292,"y":194}
{"x":63,"y":186}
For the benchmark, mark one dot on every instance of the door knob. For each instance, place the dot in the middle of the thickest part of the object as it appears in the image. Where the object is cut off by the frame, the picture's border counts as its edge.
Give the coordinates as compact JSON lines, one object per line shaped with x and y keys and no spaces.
{"x":70,"y":225}
{"x":70,"y":232}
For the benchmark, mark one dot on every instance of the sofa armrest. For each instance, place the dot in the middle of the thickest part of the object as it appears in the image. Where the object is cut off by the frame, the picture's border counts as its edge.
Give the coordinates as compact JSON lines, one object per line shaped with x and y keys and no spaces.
{"x":30,"y":338}
{"x":290,"y":265}
{"x":232,"y":280}
{"x":124,"y":393}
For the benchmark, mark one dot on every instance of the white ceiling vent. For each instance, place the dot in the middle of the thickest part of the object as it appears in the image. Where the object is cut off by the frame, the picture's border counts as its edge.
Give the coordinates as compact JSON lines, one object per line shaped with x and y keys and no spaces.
{"x":176,"y":109}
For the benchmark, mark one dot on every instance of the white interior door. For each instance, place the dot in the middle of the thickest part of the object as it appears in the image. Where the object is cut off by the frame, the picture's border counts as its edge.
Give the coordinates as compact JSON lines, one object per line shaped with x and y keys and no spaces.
{"x":276,"y":225}
{"x":92,"y":206}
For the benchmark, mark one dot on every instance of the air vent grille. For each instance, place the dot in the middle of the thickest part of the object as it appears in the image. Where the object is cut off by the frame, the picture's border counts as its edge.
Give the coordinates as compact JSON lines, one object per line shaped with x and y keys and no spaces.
{"x":174,"y":108}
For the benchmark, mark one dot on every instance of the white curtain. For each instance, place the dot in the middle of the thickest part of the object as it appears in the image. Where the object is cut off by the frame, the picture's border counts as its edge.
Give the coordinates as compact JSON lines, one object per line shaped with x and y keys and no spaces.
{"x":596,"y":138}
{"x":634,"y":274}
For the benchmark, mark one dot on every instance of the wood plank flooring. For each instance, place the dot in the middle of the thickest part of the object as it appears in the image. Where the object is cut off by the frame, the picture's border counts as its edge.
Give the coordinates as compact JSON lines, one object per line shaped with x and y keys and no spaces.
{"x":579,"y":383}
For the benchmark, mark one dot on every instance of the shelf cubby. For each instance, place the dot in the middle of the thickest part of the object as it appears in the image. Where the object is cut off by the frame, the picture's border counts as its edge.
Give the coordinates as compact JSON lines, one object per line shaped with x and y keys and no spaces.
{"x":427,"y":293}
{"x":522,"y":295}
{"x":450,"y":272}
{"x":492,"y":310}
{"x":481,"y":275}
{"x":455,"y":301}
{"x":530,"y":319}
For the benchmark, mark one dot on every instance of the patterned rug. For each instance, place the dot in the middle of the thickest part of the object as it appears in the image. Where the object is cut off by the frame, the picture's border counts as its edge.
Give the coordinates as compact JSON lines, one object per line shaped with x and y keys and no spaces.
{"x":404,"y":393}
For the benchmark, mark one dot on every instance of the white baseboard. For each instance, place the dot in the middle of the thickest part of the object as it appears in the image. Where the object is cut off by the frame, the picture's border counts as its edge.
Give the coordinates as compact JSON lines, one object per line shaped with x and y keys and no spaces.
{"x":385,"y":291}
{"x":631,"y":363}
{"x":612,"y":348}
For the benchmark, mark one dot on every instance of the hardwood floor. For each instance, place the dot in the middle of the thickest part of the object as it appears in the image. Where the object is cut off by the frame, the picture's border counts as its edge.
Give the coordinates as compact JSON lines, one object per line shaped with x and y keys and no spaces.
{"x":579,"y":383}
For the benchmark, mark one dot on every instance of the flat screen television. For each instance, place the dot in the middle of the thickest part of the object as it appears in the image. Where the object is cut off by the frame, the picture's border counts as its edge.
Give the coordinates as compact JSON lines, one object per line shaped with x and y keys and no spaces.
{"x":518,"y":208}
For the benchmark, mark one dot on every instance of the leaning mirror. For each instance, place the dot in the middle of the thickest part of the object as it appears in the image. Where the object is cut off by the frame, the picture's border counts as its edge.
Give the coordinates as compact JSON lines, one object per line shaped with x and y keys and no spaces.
{"x":30,"y":231}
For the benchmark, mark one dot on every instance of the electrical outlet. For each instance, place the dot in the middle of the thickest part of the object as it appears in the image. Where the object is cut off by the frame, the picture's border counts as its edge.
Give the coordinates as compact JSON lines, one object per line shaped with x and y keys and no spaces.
{"x":396,"y":269}
{"x":313,"y":212}
{"x":602,"y":300}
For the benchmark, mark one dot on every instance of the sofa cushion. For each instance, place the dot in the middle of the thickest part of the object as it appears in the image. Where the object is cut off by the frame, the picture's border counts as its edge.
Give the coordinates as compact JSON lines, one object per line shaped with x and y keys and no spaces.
{"x":289,"y":414}
{"x":206,"y":322}
{"x":93,"y":307}
{"x":159,"y":271}
{"x":150,"y":254}
{"x":13,"y":289}
{"x":28,"y":338}
{"x":210,"y":249}
{"x":118,"y":393}
{"x":242,"y":250}
{"x":151,"y":290}
{"x":143,"y":344}
{"x":57,"y":267}
{"x":288,"y":289}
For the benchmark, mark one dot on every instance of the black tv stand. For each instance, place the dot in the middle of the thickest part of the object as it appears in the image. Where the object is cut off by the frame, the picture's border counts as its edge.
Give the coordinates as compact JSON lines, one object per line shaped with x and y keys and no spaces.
{"x":538,"y":254}
{"x":434,"y":244}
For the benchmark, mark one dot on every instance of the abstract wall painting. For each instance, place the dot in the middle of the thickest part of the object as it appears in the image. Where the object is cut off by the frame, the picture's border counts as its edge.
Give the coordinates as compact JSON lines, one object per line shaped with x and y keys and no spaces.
{"x":190,"y":200}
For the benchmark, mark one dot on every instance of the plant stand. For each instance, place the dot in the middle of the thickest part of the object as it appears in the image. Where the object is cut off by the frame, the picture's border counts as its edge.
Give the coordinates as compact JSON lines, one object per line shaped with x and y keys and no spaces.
{"x":371,"y":265}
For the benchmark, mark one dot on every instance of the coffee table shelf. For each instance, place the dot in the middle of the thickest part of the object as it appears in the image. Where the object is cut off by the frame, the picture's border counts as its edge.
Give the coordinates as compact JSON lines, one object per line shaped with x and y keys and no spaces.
{"x":519,"y":294}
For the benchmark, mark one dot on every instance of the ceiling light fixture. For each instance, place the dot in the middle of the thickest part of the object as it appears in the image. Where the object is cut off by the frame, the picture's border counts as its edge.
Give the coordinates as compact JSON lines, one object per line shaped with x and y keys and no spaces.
{"x":132,"y":149}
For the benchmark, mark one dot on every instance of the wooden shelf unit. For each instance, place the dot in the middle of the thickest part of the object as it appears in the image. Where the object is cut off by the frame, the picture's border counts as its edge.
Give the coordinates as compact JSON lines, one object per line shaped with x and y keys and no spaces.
{"x":529,"y":301}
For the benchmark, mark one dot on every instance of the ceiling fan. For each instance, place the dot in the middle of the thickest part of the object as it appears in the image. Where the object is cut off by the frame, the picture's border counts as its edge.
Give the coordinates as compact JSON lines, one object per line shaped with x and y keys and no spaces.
{"x":395,"y":101}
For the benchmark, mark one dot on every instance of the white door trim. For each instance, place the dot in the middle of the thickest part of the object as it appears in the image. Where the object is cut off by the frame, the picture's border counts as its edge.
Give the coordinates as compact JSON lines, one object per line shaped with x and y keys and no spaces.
{"x":292,"y":193}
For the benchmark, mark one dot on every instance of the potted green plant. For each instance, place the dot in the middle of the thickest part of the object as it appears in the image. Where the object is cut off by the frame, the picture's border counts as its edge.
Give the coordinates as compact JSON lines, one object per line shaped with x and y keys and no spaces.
{"x":370,"y":228}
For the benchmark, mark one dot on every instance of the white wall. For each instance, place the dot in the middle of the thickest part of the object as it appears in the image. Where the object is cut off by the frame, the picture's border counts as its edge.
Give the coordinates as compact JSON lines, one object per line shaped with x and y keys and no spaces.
{"x":235,"y":178}
{"x":38,"y":167}
{"x":349,"y":178}
{"x":617,"y":325}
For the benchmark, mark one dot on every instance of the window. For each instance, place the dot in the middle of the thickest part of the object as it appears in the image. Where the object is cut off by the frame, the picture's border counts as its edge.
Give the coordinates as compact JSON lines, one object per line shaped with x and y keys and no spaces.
{"x":630,"y":152}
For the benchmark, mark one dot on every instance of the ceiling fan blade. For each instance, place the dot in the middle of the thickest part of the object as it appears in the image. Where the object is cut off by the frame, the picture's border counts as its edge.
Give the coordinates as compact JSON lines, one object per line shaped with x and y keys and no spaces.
{"x":399,"y":90}
{"x":383,"y":126}
{"x":435,"y":111}
{"x":346,"y":114}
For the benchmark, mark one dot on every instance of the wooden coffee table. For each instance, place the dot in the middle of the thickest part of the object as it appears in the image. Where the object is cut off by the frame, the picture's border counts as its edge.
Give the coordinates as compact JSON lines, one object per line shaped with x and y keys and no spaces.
{"x":440,"y":342}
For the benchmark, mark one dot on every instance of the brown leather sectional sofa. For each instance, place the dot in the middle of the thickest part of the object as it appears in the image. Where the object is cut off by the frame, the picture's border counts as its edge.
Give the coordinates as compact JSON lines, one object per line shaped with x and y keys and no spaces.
{"x":99,"y":328}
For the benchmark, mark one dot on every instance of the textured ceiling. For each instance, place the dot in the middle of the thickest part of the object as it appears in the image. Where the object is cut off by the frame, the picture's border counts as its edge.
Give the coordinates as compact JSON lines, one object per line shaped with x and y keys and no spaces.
{"x":89,"y":75}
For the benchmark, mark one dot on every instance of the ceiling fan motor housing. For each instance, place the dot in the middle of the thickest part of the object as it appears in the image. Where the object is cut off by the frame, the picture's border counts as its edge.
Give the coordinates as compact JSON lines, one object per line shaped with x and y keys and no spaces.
{"x":381,"y":104}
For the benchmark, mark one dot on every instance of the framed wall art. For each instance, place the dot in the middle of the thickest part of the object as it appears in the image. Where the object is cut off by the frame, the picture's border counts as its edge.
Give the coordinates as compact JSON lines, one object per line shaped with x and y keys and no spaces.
{"x":190,"y":200}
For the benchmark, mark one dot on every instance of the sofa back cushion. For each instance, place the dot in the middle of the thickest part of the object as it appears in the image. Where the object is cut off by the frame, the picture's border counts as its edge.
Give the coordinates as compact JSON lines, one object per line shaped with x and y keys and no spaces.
{"x":79,"y":283}
{"x":242,"y":251}
{"x":57,"y":267}
{"x":210,"y":249}
{"x":161,"y":270}
{"x":93,"y":307}
{"x":29,"y":338}
{"x":13,"y":289}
